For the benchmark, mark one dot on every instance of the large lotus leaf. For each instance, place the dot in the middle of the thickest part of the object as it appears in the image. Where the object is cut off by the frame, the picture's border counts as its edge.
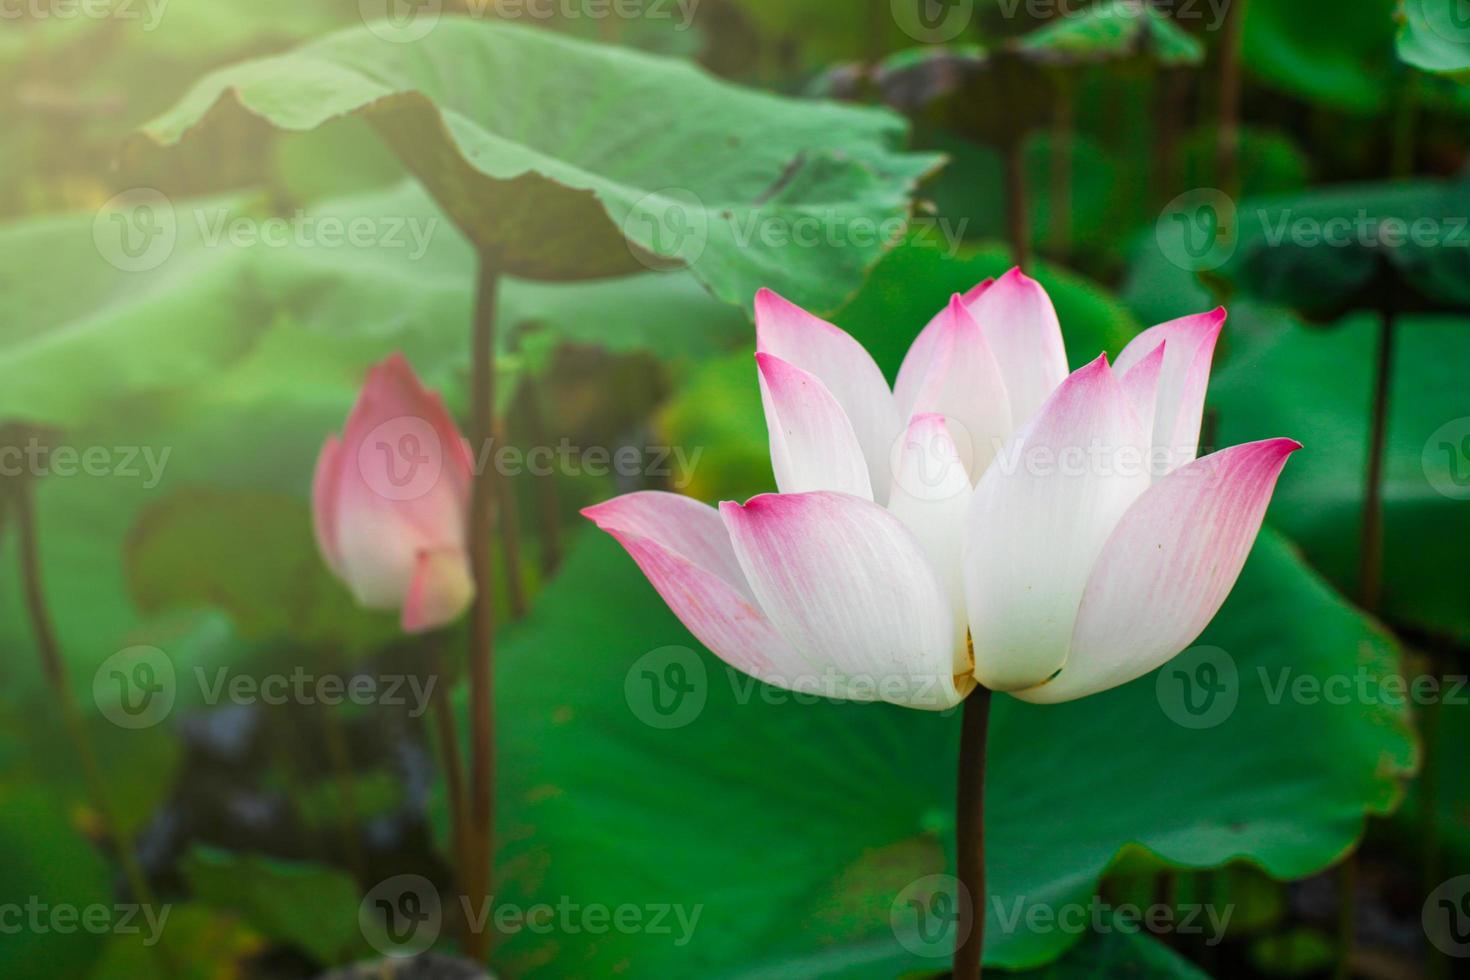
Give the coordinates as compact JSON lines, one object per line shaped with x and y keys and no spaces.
{"x":414,"y":277}
{"x":795,"y":828}
{"x":98,"y":300}
{"x":1114,"y":30}
{"x":1335,"y":54}
{"x":46,"y":858}
{"x":318,"y":302}
{"x":1319,"y":251}
{"x":1450,"y":723}
{"x":1280,"y":378}
{"x":523,"y":137}
{"x":1434,"y":35}
{"x":311,"y":907}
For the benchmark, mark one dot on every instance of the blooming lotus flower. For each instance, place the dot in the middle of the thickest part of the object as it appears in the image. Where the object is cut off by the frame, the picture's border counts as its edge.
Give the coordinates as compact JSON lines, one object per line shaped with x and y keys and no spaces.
{"x":991,"y":520}
{"x":391,"y":501}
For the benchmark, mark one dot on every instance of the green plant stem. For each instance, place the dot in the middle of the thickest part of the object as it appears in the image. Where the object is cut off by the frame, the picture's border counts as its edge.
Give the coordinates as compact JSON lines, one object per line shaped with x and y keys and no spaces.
{"x":447,"y":735}
{"x":1406,"y":124}
{"x":341,"y":759}
{"x":1063,"y":134}
{"x":476,"y":877}
{"x":1370,"y":570}
{"x":1018,"y":225}
{"x":508,"y":514}
{"x":1370,"y":552}
{"x":970,"y":831}
{"x":1436,"y":967}
{"x":1227,"y":150}
{"x":54,"y":668}
{"x":548,"y":501}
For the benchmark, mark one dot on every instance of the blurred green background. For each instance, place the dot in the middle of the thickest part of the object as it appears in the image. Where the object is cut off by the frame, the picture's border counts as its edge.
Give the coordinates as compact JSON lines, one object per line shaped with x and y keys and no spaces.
{"x":197,"y":269}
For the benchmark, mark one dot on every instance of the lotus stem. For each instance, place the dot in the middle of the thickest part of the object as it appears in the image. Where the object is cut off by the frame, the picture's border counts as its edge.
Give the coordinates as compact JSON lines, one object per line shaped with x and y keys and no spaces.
{"x":970,"y":831}
{"x":509,"y":524}
{"x":479,"y":852}
{"x":55,"y":670}
{"x":341,"y":760}
{"x":1227,"y":152}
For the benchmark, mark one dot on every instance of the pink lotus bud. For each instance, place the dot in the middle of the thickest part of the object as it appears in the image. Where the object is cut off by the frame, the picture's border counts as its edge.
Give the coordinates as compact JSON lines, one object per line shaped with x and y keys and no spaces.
{"x":391,"y":501}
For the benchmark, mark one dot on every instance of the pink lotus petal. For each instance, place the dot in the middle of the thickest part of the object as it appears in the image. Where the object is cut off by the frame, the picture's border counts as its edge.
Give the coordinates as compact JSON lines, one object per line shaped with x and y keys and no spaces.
{"x":396,"y":485}
{"x":1141,"y":382}
{"x":1182,"y":380}
{"x":1020,"y":325}
{"x":960,"y":379}
{"x":324,"y":500}
{"x":921,"y":352}
{"x":1040,"y":516}
{"x":682,"y":547}
{"x":839,"y":362}
{"x":852,"y":591}
{"x":1167,"y":568}
{"x":813,"y":446}
{"x":440,"y":591}
{"x":931,"y":493}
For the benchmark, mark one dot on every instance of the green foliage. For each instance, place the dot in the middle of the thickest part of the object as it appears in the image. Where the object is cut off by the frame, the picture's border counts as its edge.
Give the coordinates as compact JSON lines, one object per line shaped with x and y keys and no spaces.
{"x":1282,"y":377}
{"x":702,"y":815}
{"x":537,"y":182}
{"x":309,"y":907}
{"x":1347,"y":68}
{"x":1114,"y":30}
{"x":1434,"y":36}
